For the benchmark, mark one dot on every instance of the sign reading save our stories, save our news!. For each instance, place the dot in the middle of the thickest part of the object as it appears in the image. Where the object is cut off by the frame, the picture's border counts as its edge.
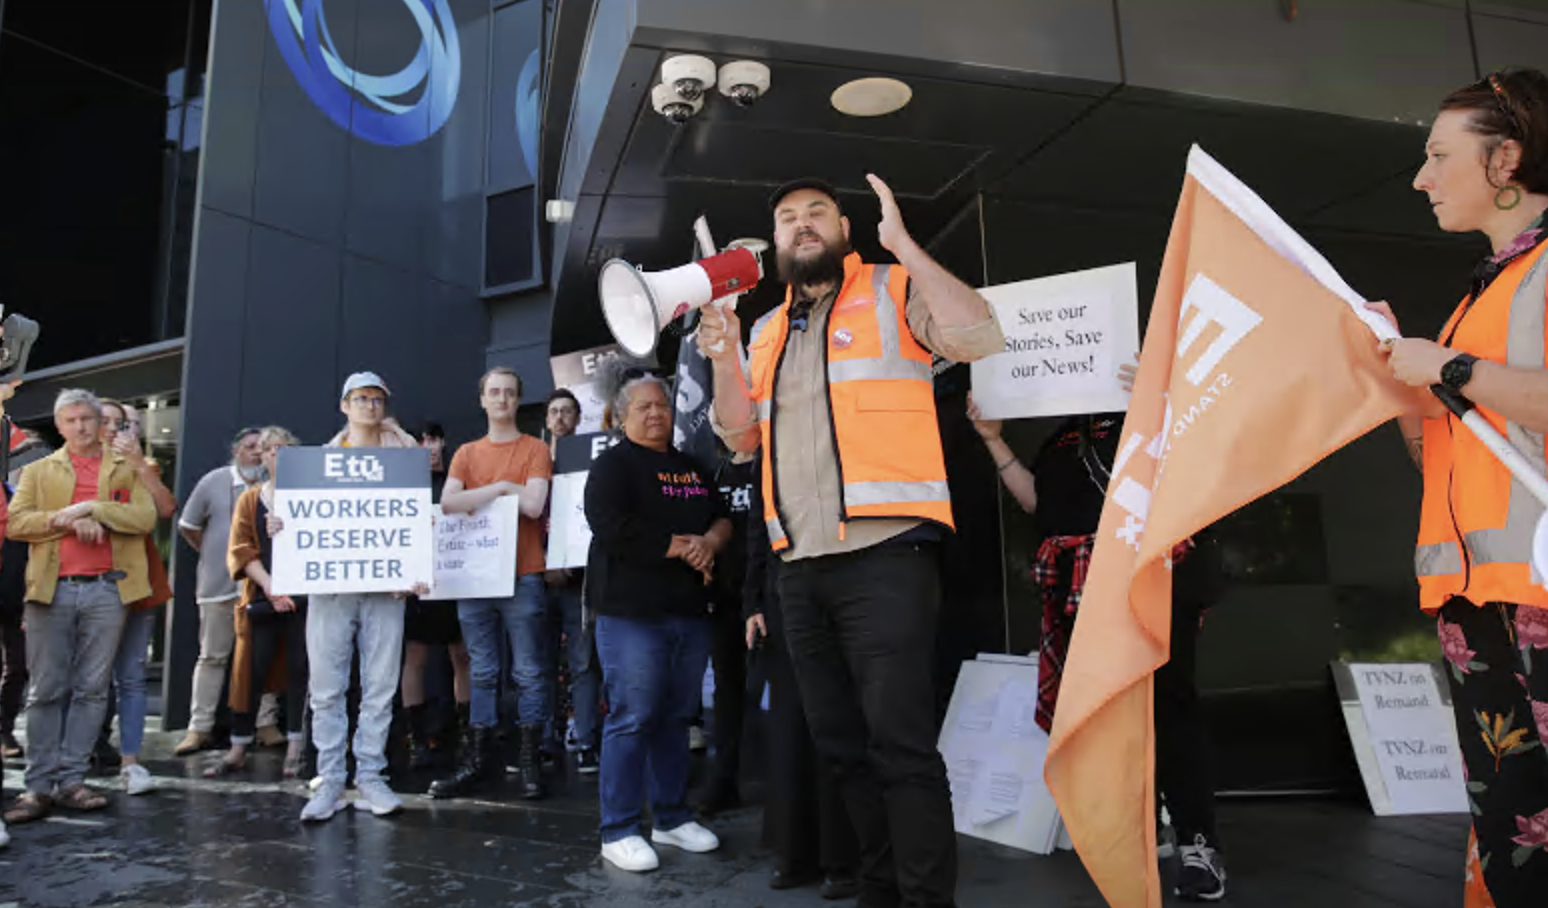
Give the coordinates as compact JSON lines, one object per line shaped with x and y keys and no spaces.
{"x":356,"y":520}
{"x":1065,"y":337}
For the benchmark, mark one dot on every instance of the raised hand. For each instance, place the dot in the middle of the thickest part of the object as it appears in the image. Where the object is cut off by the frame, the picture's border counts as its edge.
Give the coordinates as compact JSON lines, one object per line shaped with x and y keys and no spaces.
{"x":890,"y":231}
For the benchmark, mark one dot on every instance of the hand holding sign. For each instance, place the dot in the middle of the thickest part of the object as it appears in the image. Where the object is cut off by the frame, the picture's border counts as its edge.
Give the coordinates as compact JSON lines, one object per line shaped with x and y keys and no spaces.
{"x":1068,"y":340}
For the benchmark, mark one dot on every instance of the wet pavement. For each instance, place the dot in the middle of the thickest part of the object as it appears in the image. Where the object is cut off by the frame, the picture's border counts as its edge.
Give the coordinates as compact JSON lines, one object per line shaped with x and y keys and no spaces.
{"x":239,"y":842}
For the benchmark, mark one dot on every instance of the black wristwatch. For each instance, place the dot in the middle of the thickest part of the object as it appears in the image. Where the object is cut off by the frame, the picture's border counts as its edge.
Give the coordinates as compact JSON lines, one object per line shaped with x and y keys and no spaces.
{"x":1458,"y":372}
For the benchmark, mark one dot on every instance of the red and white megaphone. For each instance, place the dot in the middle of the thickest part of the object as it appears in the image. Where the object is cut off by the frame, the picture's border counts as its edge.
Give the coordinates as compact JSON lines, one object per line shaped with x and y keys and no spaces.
{"x":638,"y":305}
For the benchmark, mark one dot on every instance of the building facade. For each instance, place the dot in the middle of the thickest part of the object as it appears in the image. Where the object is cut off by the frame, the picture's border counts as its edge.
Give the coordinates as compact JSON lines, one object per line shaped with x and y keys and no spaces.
{"x":426,"y":188}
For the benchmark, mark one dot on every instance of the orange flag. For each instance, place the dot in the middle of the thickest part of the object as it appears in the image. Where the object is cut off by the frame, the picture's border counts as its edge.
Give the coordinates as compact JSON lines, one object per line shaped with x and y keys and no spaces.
{"x":1258,"y":362}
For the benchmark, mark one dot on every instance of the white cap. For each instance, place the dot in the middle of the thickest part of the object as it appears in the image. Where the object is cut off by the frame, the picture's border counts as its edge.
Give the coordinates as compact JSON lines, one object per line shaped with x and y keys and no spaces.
{"x":363,"y":380}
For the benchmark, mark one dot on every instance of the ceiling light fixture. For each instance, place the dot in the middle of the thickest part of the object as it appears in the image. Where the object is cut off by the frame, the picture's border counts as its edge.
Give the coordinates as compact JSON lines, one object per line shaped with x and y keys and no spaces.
{"x":873,"y":97}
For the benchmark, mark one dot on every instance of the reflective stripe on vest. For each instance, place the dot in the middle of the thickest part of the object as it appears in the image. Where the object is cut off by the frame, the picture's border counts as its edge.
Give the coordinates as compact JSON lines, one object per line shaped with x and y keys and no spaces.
{"x":1512,"y":542}
{"x":871,"y":493}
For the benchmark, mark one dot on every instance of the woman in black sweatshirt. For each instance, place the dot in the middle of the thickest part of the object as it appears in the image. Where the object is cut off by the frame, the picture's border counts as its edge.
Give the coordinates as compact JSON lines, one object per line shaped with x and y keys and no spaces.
{"x":656,"y":529}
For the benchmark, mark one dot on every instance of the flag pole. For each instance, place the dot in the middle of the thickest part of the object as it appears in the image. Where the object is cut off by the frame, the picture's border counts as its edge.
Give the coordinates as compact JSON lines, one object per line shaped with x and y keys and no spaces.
{"x":1498,"y":445}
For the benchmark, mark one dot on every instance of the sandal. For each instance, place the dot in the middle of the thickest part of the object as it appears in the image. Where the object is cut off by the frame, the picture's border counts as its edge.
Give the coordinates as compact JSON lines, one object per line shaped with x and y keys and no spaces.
{"x":224,"y":767}
{"x":28,"y":807}
{"x":81,"y":798}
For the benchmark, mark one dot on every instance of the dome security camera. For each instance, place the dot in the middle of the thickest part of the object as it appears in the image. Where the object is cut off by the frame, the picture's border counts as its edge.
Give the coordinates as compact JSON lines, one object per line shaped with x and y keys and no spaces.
{"x":744,"y":82}
{"x":670,"y":104}
{"x":689,"y":76}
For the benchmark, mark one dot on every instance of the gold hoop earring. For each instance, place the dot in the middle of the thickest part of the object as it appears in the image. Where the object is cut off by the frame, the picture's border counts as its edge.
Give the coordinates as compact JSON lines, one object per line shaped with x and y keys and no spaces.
{"x":1512,"y":192}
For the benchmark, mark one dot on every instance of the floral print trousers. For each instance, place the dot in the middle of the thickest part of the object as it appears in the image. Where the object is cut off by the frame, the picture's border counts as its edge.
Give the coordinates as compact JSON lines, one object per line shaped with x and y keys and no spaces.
{"x":1498,"y":656}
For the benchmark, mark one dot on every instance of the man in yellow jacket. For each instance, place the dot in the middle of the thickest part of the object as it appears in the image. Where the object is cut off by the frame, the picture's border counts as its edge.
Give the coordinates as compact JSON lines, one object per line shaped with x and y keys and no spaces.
{"x":839,"y":394}
{"x":85,"y":514}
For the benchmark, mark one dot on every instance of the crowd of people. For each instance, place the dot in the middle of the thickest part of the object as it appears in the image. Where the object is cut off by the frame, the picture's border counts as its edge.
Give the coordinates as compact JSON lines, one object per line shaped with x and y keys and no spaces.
{"x":815,"y":540}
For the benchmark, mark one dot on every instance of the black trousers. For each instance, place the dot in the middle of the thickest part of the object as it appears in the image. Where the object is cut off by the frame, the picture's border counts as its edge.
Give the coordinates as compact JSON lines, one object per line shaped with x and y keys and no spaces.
{"x":728,"y":655}
{"x":860,"y":628}
{"x":13,"y":655}
{"x":287,"y":629}
{"x":1185,"y":766}
{"x":805,"y":822}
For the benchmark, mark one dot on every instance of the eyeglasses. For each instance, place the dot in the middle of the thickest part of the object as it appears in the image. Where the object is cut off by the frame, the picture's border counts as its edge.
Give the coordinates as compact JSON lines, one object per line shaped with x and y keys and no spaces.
{"x":1503,"y":100}
{"x":369,"y":401}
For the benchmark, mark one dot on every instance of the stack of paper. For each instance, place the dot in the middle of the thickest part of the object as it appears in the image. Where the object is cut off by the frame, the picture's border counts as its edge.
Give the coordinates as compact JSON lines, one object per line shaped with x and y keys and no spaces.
{"x":994,"y":752}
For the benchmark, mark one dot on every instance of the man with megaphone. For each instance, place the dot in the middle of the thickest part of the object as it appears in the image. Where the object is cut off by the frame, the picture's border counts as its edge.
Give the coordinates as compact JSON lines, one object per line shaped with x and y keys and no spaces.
{"x":837,"y":390}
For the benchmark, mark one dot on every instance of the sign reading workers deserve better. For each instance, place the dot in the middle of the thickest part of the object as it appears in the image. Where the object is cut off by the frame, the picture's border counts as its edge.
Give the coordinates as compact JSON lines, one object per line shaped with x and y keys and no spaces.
{"x":356,"y":520}
{"x":1065,"y":337}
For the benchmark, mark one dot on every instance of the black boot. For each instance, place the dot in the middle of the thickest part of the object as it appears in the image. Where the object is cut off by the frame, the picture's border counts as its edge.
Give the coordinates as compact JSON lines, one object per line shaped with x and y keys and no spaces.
{"x":419,"y":739}
{"x":529,"y":765}
{"x":472,"y":768}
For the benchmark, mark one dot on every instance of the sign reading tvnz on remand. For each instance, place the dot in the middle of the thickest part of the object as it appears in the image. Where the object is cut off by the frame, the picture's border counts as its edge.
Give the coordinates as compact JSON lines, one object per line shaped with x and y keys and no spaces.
{"x":355,"y":520}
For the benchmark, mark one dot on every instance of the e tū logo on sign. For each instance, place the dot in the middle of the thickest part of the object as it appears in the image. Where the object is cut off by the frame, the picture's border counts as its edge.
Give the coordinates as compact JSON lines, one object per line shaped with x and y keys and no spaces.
{"x":402,"y":108}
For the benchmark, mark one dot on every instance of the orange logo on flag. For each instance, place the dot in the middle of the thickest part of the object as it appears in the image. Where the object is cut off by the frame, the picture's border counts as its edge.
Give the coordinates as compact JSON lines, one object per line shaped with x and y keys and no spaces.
{"x":1258,"y":362}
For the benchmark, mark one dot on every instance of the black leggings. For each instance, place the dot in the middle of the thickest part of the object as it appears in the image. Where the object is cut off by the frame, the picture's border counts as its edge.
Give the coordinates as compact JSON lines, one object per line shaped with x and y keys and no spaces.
{"x":268,"y":634}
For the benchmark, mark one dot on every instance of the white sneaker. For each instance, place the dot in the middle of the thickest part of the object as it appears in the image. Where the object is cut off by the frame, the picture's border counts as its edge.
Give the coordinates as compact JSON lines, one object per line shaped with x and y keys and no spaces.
{"x":328,"y":801}
{"x":137,"y":779}
{"x":689,"y":837}
{"x":5,"y":837}
{"x":375,"y":796}
{"x":631,"y":854}
{"x":316,"y":783}
{"x":696,"y":739}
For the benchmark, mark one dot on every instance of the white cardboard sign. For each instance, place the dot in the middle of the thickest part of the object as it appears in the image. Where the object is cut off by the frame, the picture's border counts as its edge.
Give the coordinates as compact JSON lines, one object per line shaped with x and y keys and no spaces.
{"x":994,"y":752}
{"x":475,"y":554}
{"x":1405,"y":738}
{"x":1065,"y":337}
{"x":356,"y":520}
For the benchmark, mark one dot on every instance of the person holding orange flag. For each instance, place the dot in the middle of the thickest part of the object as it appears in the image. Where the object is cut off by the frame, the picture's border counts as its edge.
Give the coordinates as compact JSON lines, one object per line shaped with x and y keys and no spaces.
{"x":1486,"y":170}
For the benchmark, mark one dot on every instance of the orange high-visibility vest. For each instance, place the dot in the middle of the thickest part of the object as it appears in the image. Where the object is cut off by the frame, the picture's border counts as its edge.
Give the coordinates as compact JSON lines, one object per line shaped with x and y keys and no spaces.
{"x":881,"y":398}
{"x":1475,"y":530}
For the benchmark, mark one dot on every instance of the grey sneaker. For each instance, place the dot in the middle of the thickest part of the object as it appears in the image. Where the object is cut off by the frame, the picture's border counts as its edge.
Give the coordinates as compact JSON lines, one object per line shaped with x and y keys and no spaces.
{"x":328,"y":801}
{"x":1203,"y":876}
{"x":375,"y":796}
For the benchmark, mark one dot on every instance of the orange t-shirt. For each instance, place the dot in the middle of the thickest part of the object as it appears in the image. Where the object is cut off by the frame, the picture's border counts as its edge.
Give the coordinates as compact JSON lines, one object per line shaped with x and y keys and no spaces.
{"x":76,"y":558}
{"x":485,"y":462}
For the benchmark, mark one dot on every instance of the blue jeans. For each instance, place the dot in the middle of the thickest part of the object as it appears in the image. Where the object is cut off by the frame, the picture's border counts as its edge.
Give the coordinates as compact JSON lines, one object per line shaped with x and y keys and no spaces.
{"x":335,"y":625}
{"x":70,"y":648}
{"x":525,"y":620}
{"x":653,"y":668}
{"x":129,"y":675}
{"x":564,"y":603}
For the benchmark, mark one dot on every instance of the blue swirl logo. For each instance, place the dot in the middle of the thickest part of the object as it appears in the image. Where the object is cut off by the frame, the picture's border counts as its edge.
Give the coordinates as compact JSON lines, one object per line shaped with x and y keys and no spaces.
{"x":404,"y":108}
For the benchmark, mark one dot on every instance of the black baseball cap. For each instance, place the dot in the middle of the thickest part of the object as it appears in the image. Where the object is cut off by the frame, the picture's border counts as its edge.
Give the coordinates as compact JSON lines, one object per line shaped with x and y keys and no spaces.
{"x":822,"y":186}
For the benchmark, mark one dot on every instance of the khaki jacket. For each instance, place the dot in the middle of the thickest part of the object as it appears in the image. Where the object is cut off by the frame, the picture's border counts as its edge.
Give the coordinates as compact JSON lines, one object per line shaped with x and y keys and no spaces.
{"x":124,"y":507}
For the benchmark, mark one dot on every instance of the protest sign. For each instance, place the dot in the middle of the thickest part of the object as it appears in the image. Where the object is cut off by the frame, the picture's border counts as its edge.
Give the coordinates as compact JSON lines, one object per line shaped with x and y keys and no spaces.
{"x":356,"y":520}
{"x":1065,"y":337}
{"x":475,"y":554}
{"x":1404,"y":737}
{"x":578,"y":372}
{"x":994,"y":752}
{"x":569,"y":535}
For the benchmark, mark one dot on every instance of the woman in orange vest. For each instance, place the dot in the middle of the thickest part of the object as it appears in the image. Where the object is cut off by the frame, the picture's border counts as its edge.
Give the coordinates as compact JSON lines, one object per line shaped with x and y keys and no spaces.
{"x":1486,"y":170}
